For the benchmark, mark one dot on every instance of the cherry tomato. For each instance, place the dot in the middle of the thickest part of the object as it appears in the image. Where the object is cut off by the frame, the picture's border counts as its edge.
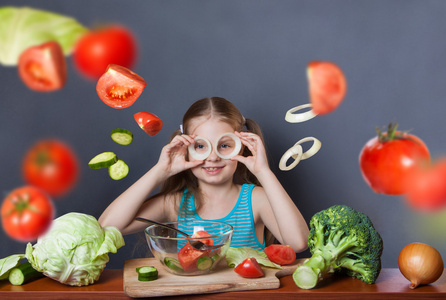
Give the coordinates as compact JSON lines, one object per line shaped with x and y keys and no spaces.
{"x":97,"y":49}
{"x":43,"y":68}
{"x":148,"y":122}
{"x":387,"y":160}
{"x":327,"y":86}
{"x":52,"y":166}
{"x":201,"y":234}
{"x":27,"y":212}
{"x":426,"y":188}
{"x":119,"y":87}
{"x":249,"y":268}
{"x":188,"y":257}
{"x":280,"y":254}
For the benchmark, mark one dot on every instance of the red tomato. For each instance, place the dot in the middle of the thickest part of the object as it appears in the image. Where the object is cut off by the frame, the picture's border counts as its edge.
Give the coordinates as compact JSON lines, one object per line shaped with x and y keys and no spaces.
{"x":148,"y":122}
{"x":426,"y":188}
{"x":280,"y":254}
{"x":249,"y":268}
{"x":52,"y":166}
{"x":201,"y":234}
{"x":188,"y":257}
{"x":387,"y":160}
{"x":119,"y":87}
{"x":43,"y":68}
{"x":27,"y":212}
{"x":97,"y":49}
{"x":327,"y":85}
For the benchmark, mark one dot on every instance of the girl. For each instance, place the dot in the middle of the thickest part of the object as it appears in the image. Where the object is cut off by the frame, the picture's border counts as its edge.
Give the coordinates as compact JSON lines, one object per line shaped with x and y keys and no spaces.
{"x":241,"y":191}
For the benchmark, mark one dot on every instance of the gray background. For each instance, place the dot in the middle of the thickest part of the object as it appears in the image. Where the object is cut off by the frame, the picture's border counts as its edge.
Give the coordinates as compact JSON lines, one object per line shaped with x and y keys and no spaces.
{"x":254,"y":53}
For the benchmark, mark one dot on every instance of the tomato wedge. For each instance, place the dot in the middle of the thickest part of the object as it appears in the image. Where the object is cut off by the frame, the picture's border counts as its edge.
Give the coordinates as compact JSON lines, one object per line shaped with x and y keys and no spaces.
{"x":43,"y":68}
{"x":327,"y":85}
{"x":201,"y":234}
{"x":249,"y":268}
{"x":148,"y":122}
{"x":188,"y":257}
{"x":27,"y":212}
{"x":119,"y":87}
{"x":280,"y":254}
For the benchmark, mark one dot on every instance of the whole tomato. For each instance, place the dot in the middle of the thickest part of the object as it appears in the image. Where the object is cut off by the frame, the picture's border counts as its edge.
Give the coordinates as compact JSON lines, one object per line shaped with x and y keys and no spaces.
{"x":52,"y":166}
{"x":27,"y":212}
{"x":109,"y":45}
{"x":426,"y":188}
{"x":386,"y":160}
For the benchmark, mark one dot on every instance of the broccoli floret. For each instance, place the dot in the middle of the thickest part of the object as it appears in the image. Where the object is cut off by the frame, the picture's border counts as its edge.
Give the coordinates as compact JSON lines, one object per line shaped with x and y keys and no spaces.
{"x":341,"y":240}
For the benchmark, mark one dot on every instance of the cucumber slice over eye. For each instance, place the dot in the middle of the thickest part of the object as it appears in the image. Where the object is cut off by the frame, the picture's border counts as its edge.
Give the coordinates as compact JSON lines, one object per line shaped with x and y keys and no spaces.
{"x":103,"y":160}
{"x":118,"y":170}
{"x":122,"y":136}
{"x":147,"y":273}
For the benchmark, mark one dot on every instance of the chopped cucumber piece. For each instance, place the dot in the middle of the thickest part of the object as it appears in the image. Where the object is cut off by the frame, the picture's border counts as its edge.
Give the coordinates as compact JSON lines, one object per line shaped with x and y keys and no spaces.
{"x":23,"y":273}
{"x":118,"y":170}
{"x":173,"y":264}
{"x":204,"y":263}
{"x":122,"y":136}
{"x":147,"y":273}
{"x":103,"y":160}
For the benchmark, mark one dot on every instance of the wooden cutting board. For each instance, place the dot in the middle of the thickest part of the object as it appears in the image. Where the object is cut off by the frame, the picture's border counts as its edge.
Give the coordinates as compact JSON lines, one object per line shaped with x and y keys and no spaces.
{"x":223,"y":279}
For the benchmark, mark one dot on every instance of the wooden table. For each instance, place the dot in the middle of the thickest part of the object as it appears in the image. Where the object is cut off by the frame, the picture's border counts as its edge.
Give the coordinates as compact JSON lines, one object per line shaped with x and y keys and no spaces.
{"x":390,"y":285}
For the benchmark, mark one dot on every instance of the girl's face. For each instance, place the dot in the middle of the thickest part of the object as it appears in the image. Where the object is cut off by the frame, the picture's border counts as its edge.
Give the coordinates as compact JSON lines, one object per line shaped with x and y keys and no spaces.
{"x":214,"y":169}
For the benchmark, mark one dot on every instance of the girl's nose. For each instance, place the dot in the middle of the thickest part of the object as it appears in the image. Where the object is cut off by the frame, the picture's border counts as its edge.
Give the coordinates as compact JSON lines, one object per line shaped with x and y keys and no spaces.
{"x":213,"y":156}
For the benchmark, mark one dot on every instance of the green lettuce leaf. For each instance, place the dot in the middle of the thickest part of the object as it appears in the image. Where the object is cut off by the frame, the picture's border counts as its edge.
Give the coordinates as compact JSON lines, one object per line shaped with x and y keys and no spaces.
{"x":23,"y":27}
{"x":235,"y":256}
{"x":8,"y":263}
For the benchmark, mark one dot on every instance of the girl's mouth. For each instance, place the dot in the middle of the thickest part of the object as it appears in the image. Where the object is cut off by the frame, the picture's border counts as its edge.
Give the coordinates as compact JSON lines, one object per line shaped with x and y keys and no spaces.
{"x":212,"y":170}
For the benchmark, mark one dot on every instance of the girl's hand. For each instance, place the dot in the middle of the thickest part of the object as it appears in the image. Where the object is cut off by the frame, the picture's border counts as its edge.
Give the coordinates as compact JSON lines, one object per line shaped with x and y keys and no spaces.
{"x":258,"y":161}
{"x":173,"y":156}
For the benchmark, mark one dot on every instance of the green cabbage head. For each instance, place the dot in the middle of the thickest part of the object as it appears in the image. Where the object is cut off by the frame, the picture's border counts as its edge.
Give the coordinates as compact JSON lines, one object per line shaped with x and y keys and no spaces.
{"x":75,"y":249}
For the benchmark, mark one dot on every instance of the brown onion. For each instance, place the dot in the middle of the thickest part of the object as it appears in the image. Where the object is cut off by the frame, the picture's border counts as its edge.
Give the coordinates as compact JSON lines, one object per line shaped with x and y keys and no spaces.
{"x":420,"y":264}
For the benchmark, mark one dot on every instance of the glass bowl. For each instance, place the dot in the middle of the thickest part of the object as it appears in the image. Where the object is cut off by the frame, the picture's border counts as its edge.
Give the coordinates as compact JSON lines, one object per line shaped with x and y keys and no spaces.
{"x":175,"y":251}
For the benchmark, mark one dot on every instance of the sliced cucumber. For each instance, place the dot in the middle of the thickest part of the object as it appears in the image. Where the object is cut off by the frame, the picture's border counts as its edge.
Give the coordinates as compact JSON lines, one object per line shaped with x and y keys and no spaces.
{"x":204,"y":263}
{"x":173,"y":264}
{"x":122,"y":136}
{"x":103,"y":160}
{"x":147,"y":273}
{"x":118,"y":170}
{"x":23,"y":273}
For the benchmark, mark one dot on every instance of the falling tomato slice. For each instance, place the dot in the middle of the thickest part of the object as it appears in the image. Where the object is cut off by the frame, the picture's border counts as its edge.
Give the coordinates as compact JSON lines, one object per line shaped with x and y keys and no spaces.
{"x":327,"y":85}
{"x":119,"y":87}
{"x":43,"y":68}
{"x":148,"y":122}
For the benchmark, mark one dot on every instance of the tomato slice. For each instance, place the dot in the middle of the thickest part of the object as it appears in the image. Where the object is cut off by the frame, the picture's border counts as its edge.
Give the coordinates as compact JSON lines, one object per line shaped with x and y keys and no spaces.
{"x":280,"y":254}
{"x":27,"y":212}
{"x":119,"y":87}
{"x":148,"y":122}
{"x":201,"y":234}
{"x":43,"y":68}
{"x":327,"y":85}
{"x":249,"y":268}
{"x":188,"y":257}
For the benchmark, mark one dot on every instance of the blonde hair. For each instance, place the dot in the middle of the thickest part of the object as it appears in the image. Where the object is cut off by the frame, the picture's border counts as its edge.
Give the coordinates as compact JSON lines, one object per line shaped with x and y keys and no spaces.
{"x":227,"y":112}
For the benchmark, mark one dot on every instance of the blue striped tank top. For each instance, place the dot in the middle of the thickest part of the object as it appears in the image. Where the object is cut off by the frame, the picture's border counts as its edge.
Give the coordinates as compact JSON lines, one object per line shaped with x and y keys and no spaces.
{"x":241,"y":218}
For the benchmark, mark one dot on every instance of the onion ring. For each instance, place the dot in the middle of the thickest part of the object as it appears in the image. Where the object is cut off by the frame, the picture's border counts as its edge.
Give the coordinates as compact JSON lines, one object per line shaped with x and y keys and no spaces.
{"x":238,"y":145}
{"x":194,"y":153}
{"x":296,"y":153}
{"x":291,"y":117}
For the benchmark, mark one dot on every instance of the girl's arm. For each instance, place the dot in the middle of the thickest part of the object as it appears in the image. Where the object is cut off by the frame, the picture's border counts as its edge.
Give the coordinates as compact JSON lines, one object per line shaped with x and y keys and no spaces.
{"x":277,"y":210}
{"x":122,"y":211}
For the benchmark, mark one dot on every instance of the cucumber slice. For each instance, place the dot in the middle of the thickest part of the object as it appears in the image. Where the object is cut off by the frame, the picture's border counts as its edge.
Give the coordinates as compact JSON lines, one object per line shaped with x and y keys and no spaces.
{"x":204,"y":263}
{"x":23,"y":273}
{"x":118,"y":170}
{"x":147,"y":273}
{"x":173,"y":264}
{"x":103,"y":160}
{"x":122,"y":136}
